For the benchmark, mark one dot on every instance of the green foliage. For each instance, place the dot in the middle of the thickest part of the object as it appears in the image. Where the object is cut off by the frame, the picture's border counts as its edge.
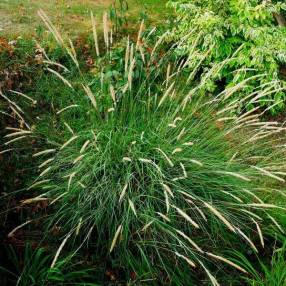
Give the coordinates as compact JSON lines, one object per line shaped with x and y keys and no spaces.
{"x":32,"y":268}
{"x":267,"y":274}
{"x":151,"y":178}
{"x":241,"y":34}
{"x":147,"y":175}
{"x":118,"y":13}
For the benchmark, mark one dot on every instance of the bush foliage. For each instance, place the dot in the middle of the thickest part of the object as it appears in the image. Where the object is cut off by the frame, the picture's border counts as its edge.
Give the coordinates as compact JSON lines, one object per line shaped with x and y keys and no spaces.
{"x":242,"y":34}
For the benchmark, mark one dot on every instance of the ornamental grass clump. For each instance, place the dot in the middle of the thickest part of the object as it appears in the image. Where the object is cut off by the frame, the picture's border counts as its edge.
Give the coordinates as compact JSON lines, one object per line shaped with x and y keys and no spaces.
{"x":154,"y":178}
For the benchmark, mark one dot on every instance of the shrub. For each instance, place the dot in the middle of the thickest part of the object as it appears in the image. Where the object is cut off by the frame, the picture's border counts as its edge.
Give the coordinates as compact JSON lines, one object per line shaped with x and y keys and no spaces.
{"x":155,"y":179}
{"x":243,"y":33}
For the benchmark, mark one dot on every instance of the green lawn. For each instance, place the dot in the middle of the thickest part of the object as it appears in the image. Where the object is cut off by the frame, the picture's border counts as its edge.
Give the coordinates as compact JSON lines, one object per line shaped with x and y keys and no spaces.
{"x":19,"y":17}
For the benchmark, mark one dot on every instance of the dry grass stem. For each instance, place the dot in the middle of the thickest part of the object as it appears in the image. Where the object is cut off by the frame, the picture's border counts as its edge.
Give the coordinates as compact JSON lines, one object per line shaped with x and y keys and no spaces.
{"x":115,"y":238}
{"x":93,"y":22}
{"x":220,"y":216}
{"x":11,"y":233}
{"x":59,"y":250}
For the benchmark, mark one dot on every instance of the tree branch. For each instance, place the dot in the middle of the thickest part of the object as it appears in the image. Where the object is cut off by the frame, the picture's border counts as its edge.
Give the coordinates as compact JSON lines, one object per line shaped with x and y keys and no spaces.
{"x":280,"y":19}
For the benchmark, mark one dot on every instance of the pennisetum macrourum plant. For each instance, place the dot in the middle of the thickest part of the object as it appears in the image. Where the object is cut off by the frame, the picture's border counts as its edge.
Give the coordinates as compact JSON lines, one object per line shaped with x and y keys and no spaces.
{"x":151,"y":175}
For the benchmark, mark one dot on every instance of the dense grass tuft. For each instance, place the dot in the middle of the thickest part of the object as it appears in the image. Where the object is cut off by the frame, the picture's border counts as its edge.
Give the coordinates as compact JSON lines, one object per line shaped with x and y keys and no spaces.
{"x":153,"y":177}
